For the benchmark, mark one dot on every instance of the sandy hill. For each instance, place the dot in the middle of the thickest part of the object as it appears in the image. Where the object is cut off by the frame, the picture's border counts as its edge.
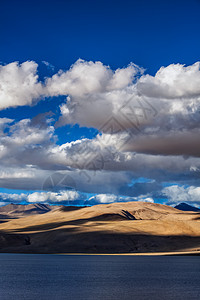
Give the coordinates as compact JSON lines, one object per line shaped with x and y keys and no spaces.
{"x":13,"y":211}
{"x":108,"y":228}
{"x":19,"y":210}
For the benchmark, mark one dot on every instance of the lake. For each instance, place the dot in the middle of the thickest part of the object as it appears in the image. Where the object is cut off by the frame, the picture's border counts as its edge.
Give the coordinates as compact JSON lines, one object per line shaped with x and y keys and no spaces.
{"x":93,"y":277}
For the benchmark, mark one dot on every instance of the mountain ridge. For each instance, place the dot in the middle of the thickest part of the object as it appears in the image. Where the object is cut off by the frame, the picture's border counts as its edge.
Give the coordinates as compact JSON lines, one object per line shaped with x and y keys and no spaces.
{"x":122,"y":227}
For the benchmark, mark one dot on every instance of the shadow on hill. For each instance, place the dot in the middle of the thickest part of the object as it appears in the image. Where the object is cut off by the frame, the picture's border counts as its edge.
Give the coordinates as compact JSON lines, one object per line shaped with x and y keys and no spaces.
{"x":71,"y":241}
{"x":128,"y":215}
{"x":71,"y":208}
{"x":77,"y":222}
{"x":197,"y":218}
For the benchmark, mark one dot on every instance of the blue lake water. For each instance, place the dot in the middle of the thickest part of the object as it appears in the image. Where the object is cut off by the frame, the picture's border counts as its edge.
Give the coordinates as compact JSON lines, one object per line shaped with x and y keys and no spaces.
{"x":29,"y":276}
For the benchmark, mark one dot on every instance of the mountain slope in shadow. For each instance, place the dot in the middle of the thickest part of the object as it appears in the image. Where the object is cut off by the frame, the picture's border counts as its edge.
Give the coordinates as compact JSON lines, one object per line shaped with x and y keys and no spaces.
{"x":186,"y":207}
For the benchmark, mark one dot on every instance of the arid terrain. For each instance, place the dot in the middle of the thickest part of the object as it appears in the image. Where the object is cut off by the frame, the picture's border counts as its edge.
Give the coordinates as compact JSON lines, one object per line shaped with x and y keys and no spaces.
{"x":133,"y":227}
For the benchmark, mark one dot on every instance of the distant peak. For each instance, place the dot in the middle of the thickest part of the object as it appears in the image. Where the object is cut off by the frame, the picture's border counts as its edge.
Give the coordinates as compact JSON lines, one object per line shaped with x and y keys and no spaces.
{"x":186,"y":207}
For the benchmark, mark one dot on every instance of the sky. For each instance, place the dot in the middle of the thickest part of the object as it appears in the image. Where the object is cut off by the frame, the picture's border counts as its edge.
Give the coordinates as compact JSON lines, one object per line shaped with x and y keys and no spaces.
{"x":99,"y":102}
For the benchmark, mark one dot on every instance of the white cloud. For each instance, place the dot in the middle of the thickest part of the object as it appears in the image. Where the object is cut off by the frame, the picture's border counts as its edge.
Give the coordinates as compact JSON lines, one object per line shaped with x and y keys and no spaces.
{"x":148,"y":199}
{"x":177,"y":194}
{"x":52,"y":197}
{"x":171,"y":82}
{"x":89,"y":77}
{"x":17,"y":198}
{"x":19,"y":84}
{"x":42,"y":197}
{"x":97,"y":90}
{"x":159,"y":113}
{"x":26,"y":143}
{"x":5,"y":121}
{"x":104,"y":198}
{"x":110,"y":198}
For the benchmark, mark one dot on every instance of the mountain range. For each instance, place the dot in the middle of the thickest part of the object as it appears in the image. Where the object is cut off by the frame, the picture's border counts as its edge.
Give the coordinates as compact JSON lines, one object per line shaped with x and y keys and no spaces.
{"x":131,"y":227}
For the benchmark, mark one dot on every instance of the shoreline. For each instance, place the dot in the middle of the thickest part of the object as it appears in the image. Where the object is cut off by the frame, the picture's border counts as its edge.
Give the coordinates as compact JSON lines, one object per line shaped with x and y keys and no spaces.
{"x":172,"y":253}
{"x":138,"y":254}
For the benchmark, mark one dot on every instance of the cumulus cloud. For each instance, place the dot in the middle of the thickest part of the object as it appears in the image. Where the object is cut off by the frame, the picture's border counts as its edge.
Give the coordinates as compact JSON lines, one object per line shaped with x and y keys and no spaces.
{"x":104,"y":198}
{"x":90,"y":77}
{"x":159,"y":113}
{"x":95,"y":93}
{"x":19,"y":84}
{"x":62,"y":197}
{"x":110,"y":198}
{"x":25,"y":143}
{"x":16,"y":198}
{"x":52,"y":197}
{"x":177,"y":194}
{"x":171,"y":82}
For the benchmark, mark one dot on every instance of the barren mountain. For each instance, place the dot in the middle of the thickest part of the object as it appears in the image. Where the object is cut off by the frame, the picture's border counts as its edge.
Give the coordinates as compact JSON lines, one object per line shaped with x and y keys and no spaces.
{"x":19,"y":210}
{"x":132,"y":227}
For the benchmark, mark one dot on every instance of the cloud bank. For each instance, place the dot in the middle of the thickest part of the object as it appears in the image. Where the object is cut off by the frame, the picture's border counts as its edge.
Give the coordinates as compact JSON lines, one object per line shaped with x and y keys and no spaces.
{"x":148,"y":127}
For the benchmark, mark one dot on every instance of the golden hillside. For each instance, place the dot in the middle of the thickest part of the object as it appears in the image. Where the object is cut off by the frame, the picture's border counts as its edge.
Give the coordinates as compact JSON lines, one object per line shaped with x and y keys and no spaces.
{"x":132,"y":227}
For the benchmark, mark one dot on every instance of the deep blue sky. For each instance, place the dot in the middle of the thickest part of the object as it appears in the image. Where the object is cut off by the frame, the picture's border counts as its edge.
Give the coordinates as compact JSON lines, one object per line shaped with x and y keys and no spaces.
{"x":148,"y":33}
